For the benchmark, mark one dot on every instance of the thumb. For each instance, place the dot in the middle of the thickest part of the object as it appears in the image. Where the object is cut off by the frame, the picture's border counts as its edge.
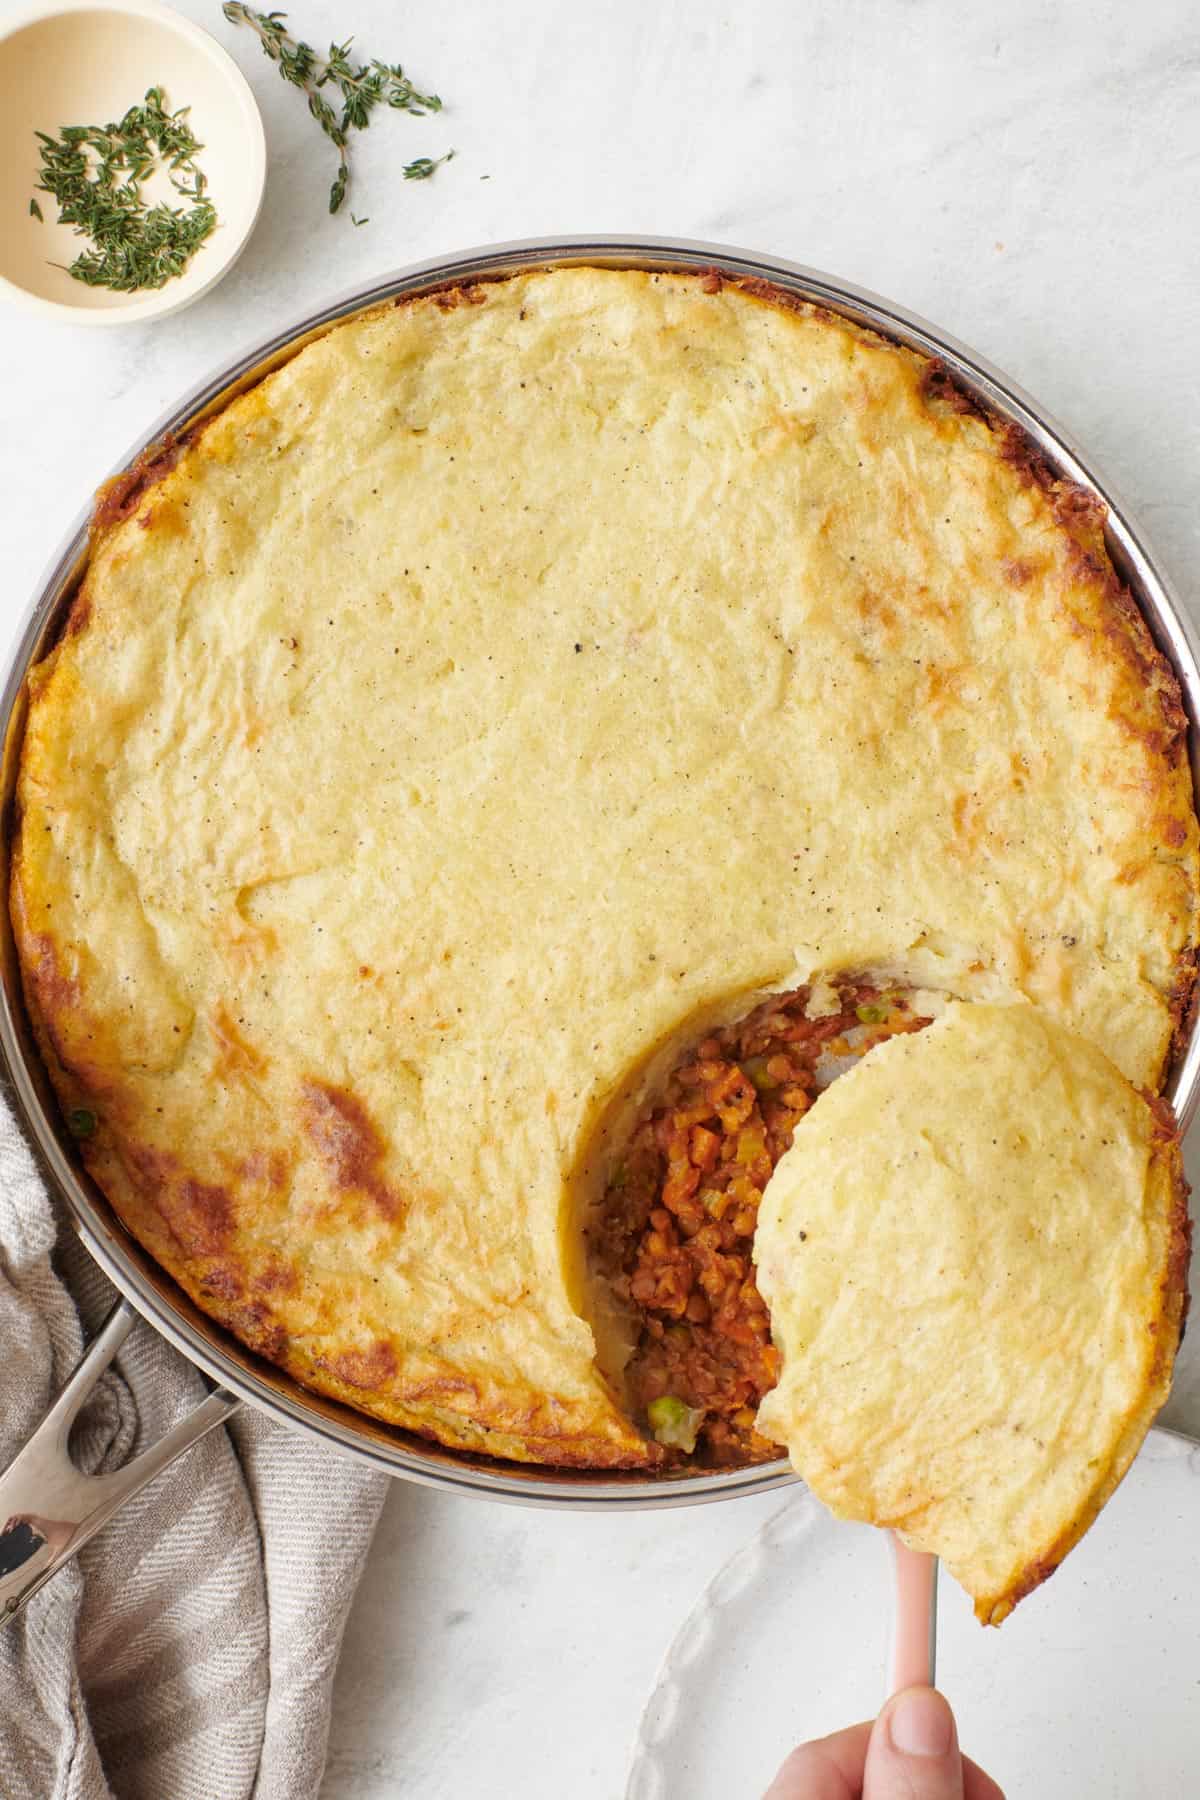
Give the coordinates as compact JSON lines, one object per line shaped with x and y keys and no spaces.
{"x":913,"y":1753}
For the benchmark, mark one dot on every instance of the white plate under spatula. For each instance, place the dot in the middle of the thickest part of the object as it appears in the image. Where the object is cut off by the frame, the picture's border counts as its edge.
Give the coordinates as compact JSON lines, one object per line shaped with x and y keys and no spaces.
{"x":1089,"y":1691}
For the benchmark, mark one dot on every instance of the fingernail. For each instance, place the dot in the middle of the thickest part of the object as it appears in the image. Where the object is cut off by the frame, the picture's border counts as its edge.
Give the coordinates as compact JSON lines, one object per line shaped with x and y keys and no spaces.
{"x":921,"y":1724}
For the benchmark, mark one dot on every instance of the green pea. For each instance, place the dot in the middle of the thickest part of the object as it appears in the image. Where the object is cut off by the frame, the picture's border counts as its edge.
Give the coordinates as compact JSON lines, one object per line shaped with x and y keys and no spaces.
{"x":674,"y":1422}
{"x":871,"y":1015}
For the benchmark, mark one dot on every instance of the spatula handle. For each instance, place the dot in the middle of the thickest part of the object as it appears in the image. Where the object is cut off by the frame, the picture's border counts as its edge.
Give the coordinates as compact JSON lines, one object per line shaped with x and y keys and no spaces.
{"x":912,"y":1660}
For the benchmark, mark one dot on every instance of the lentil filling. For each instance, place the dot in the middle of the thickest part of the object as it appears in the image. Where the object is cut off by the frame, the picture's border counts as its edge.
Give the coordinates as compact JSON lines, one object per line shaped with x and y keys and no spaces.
{"x":677,"y":1226}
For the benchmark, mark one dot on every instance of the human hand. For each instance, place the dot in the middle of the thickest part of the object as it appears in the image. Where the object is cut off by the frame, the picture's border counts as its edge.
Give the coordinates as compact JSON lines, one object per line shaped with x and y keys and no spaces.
{"x":910,"y":1753}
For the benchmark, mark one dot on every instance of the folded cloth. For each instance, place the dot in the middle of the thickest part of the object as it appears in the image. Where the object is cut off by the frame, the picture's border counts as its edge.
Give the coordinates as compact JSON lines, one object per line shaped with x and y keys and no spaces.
{"x":188,"y":1652}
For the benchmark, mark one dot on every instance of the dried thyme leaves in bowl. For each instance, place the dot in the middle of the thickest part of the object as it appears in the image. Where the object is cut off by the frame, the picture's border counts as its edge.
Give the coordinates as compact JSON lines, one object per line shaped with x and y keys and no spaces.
{"x":95,"y":174}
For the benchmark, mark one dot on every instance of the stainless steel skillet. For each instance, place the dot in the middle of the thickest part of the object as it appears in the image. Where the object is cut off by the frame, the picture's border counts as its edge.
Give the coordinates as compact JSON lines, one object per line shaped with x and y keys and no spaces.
{"x":41,"y":1486}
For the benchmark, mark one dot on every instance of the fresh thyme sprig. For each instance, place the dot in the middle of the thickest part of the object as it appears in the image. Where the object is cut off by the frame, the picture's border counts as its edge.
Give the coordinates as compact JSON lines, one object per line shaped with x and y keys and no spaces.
{"x":362,"y":89}
{"x":94,"y":173}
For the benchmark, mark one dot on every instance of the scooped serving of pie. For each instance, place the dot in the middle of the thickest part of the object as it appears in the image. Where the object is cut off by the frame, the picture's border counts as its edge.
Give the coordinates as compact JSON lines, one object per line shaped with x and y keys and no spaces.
{"x":501,"y":770}
{"x":975,"y":1254}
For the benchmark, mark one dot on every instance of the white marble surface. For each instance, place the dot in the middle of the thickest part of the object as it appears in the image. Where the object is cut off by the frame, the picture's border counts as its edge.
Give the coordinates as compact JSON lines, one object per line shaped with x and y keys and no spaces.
{"x":1026,"y":176}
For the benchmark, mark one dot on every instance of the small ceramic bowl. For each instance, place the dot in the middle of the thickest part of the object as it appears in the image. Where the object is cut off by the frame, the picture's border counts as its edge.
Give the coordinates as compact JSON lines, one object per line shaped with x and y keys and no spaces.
{"x":86,"y":62}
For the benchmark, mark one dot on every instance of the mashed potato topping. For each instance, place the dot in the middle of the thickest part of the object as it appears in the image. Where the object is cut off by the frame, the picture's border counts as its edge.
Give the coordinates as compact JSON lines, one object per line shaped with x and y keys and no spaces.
{"x":518,"y":684}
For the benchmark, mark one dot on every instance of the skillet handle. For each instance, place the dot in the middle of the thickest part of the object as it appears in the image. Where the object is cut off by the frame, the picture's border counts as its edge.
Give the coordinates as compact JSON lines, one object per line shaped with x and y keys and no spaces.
{"x":48,"y":1508}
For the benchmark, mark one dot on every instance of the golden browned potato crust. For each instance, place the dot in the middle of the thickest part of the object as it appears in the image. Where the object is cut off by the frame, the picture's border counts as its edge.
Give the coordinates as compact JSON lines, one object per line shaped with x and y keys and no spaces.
{"x":513,"y":678}
{"x":976,"y":1256}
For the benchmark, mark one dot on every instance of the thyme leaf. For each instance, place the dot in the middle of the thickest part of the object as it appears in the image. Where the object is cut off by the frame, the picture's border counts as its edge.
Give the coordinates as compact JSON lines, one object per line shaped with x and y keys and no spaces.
{"x":424,"y":166}
{"x":360,"y":87}
{"x":95,"y":172}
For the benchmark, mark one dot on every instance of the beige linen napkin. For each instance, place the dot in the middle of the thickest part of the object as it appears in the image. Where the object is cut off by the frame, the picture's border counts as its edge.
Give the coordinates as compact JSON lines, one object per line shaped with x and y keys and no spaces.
{"x":188,"y":1652}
